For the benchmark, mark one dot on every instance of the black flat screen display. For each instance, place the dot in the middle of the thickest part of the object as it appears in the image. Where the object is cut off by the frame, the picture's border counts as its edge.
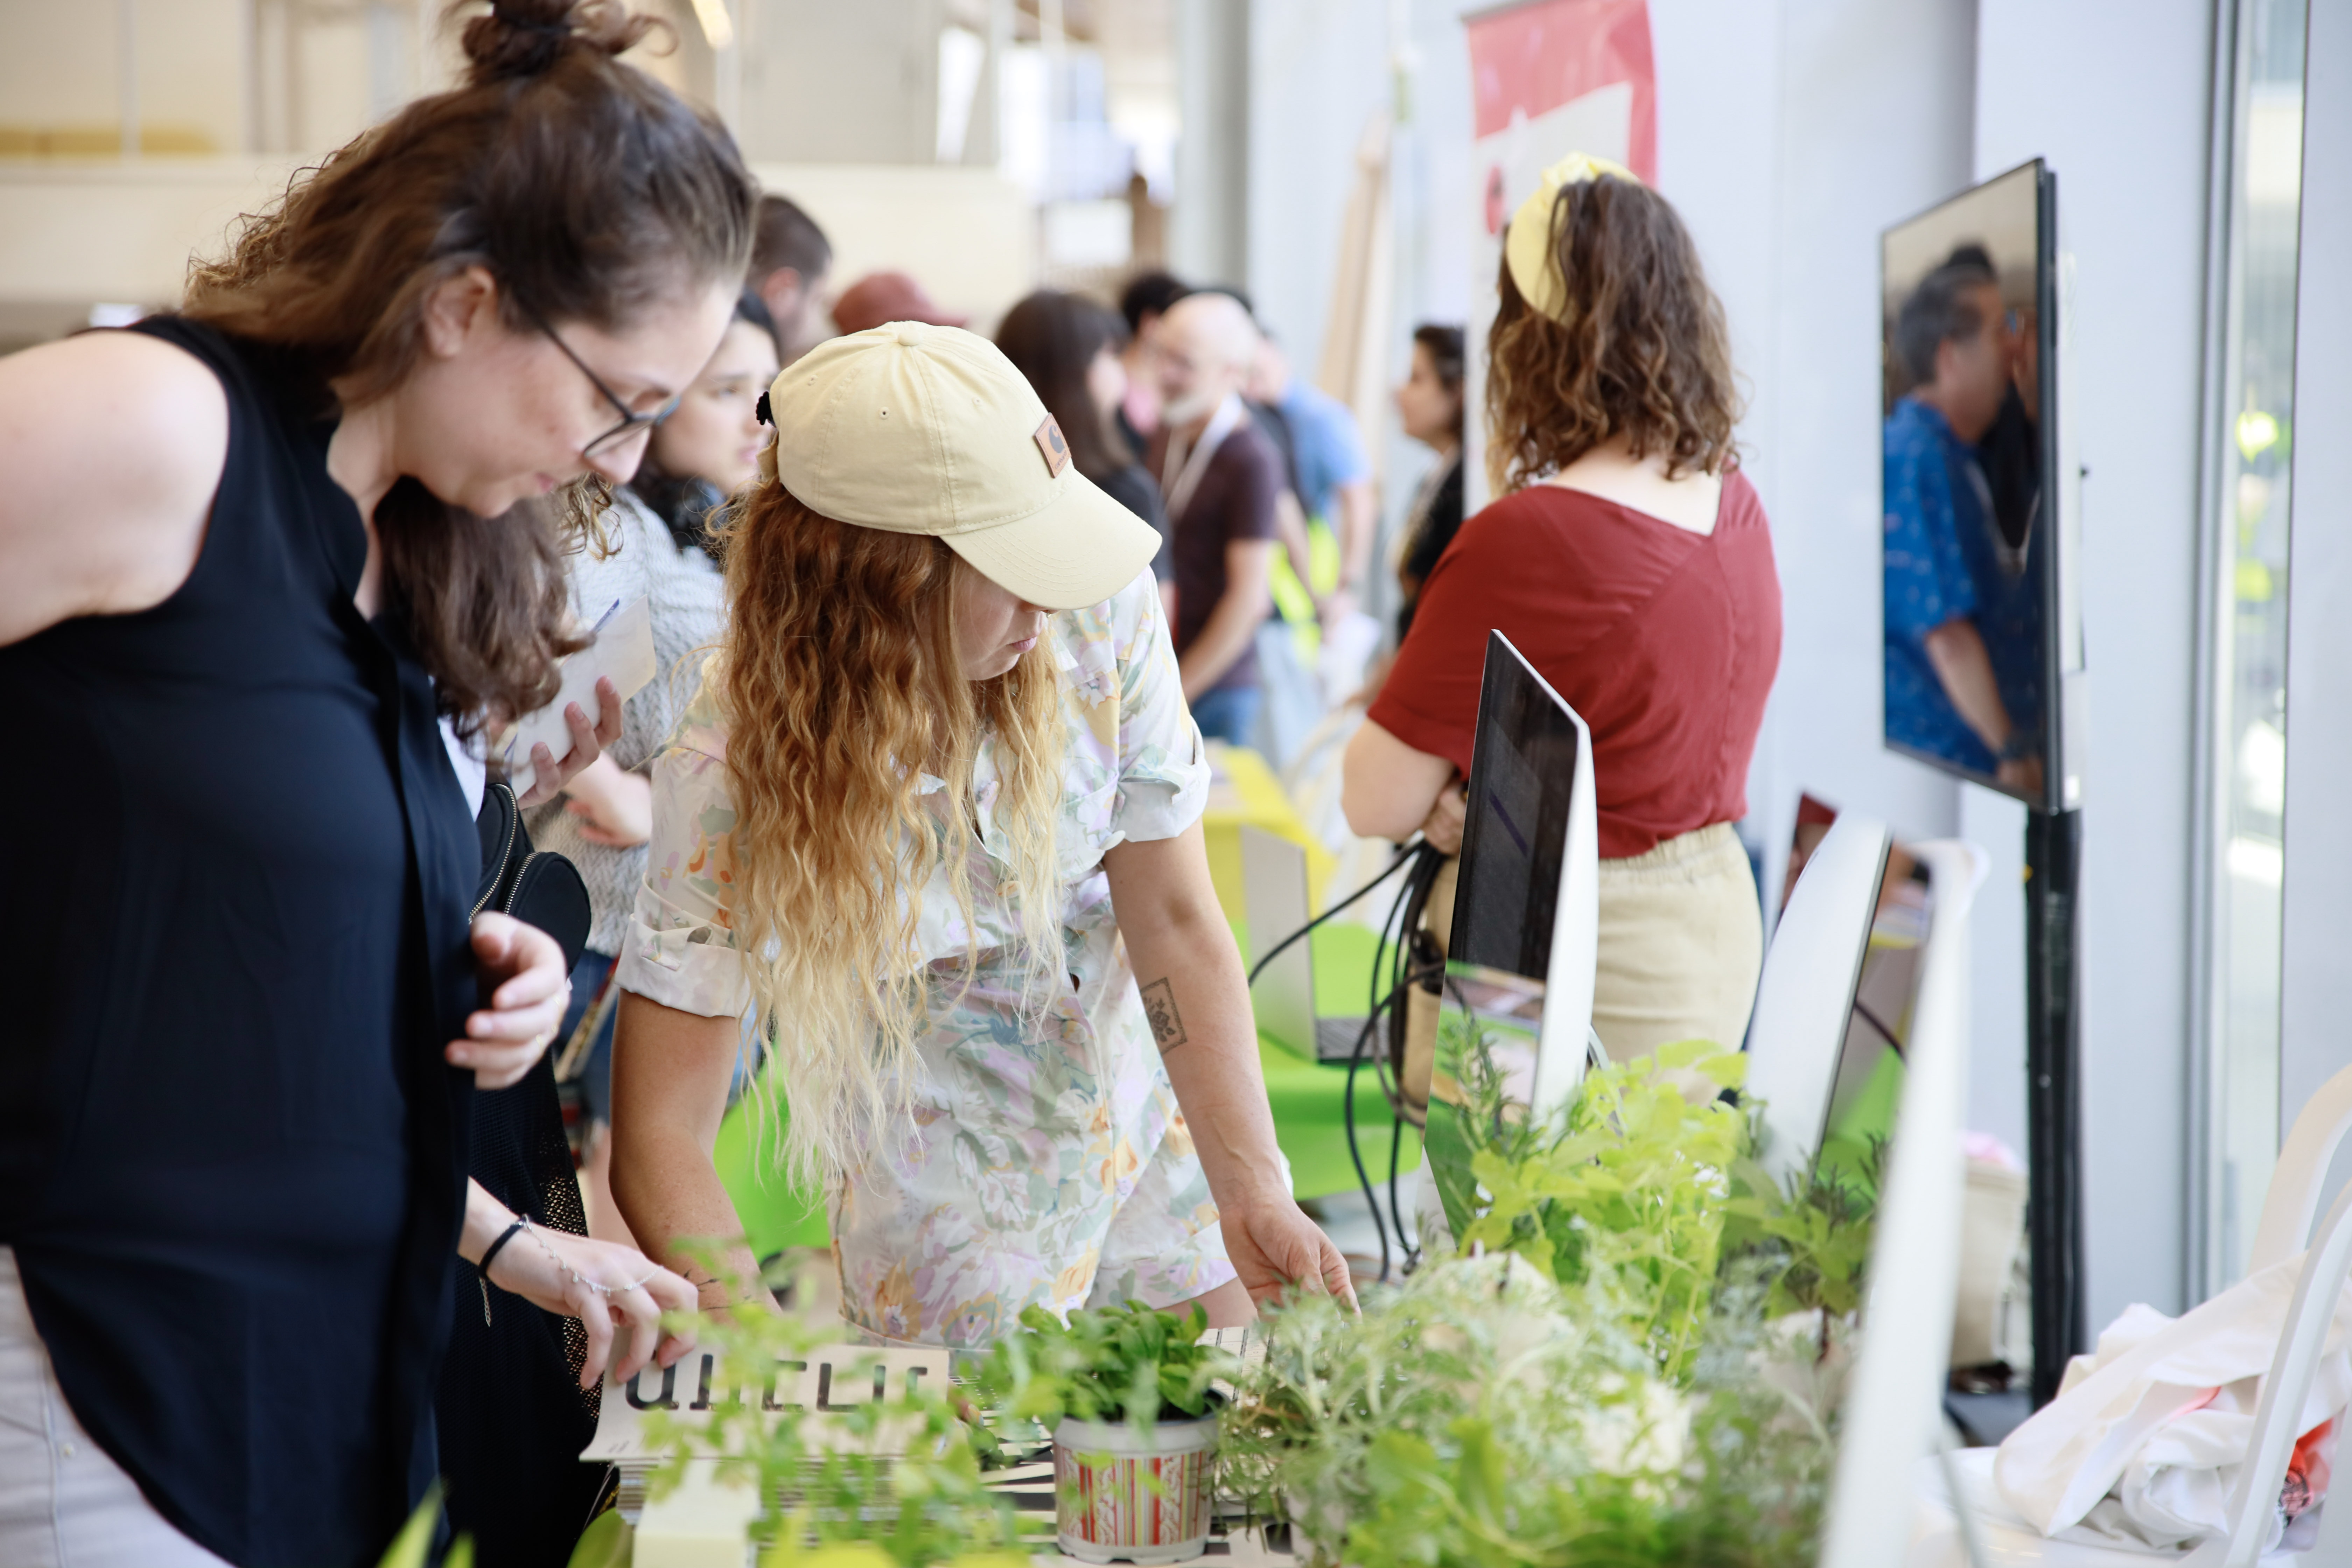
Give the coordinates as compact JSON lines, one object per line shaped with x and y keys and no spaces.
{"x":1522,"y":780}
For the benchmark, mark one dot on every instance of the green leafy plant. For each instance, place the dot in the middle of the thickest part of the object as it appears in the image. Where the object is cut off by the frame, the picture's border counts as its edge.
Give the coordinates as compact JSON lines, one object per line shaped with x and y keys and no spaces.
{"x":894,"y":1482}
{"x":1632,"y":1182}
{"x":1486,"y":1417}
{"x":1131,"y":1364}
{"x":1815,"y":1235}
{"x":1614,"y":1370}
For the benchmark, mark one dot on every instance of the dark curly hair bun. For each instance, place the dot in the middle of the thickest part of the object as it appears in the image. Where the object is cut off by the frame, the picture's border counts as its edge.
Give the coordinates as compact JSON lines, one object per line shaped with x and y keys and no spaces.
{"x":517,"y":39}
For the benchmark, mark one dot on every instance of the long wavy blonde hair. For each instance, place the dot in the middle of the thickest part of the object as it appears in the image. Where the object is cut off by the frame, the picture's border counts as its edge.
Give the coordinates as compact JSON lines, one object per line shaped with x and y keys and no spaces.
{"x":840,"y":685}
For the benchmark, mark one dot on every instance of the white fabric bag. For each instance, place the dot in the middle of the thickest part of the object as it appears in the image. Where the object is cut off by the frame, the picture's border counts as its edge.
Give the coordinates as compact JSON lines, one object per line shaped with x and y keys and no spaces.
{"x":2142,"y":1442}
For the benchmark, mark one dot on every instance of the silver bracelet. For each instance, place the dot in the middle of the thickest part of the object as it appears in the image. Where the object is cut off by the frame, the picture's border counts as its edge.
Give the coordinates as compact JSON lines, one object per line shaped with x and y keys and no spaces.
{"x":574,"y":1275}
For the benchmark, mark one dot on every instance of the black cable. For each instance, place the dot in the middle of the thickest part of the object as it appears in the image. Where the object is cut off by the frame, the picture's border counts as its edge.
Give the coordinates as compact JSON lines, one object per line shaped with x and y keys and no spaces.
{"x":1404,"y":857}
{"x":1396,"y":1210}
{"x":1347,"y":1120}
{"x":1872,"y":1019}
{"x":1400,"y":920}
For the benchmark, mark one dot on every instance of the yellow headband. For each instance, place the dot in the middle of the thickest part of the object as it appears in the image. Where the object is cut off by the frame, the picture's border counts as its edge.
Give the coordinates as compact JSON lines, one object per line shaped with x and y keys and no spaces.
{"x":1527,"y":245}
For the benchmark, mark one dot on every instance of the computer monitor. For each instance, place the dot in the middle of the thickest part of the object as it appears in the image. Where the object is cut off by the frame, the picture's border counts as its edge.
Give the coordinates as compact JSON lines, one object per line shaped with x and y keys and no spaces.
{"x":1981,"y":504}
{"x":1800,"y":1037}
{"x":1526,"y":900}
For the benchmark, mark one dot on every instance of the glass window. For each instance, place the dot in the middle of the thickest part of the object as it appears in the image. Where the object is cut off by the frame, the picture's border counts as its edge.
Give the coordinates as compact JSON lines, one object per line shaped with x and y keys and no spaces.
{"x":2248,"y":651}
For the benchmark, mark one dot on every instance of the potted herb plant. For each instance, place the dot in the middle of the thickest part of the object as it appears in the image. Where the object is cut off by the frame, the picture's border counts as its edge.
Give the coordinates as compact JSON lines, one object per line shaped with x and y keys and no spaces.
{"x":1126,"y":1393}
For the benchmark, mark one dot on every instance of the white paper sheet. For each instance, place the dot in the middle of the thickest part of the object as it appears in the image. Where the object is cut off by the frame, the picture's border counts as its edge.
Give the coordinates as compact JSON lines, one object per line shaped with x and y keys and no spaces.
{"x":622,"y":649}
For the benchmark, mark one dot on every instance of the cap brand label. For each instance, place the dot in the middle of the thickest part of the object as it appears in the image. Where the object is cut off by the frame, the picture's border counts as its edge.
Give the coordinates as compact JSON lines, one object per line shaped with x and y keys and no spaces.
{"x":1057,"y":451}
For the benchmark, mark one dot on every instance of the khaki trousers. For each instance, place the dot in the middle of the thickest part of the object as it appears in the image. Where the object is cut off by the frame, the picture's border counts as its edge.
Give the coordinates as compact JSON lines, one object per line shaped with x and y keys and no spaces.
{"x":1682,"y":942}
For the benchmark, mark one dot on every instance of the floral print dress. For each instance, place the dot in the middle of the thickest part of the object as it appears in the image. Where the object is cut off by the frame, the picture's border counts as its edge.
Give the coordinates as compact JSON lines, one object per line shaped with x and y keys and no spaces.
{"x":1037,"y":1164}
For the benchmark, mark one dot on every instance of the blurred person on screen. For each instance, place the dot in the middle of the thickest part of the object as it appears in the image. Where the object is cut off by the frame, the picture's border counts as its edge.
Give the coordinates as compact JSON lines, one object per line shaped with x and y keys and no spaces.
{"x":1962,"y":599}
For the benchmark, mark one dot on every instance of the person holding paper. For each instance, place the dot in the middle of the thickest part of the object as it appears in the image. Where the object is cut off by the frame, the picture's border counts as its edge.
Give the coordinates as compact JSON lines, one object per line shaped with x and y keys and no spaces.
{"x":250,"y":557}
{"x":945,"y":679}
{"x":657,"y":533}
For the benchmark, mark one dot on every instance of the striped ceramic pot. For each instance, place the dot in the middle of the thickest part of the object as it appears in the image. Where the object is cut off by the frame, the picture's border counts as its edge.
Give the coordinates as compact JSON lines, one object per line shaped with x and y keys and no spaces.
{"x":1125,"y":1496}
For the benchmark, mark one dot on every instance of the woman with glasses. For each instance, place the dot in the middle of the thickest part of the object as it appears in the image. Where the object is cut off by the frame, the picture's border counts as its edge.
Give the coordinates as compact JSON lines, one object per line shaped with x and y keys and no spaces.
{"x":657,"y":547}
{"x":269,"y":568}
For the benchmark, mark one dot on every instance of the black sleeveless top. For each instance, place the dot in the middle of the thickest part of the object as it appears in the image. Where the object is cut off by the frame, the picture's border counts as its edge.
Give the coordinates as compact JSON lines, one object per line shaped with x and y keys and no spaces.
{"x":231,"y":1157}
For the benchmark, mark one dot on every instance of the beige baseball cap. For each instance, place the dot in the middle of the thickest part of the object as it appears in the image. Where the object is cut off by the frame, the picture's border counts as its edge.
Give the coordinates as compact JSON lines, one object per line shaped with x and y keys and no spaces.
{"x":923,"y":429}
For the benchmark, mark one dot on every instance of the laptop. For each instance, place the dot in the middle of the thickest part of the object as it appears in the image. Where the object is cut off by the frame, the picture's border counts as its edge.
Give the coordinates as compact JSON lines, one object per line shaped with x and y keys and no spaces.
{"x":1290,"y":1011}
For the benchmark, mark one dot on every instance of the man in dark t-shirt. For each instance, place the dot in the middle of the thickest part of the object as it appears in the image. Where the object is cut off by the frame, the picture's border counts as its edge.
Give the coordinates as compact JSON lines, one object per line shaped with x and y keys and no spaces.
{"x":1219,"y":477}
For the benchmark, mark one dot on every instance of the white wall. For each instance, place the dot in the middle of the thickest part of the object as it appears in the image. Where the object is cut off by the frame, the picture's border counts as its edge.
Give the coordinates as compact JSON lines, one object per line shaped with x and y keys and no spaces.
{"x":1791,"y":133}
{"x":2119,"y":109}
{"x":1789,"y":136}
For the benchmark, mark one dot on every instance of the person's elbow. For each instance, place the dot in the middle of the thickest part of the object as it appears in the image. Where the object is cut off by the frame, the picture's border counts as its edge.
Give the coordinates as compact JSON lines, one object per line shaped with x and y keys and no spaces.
{"x":1375,"y":801}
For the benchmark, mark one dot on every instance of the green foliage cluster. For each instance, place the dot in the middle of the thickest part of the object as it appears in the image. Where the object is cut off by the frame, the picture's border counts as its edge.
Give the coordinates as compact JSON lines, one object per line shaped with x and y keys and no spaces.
{"x":1125,"y":1363}
{"x":1632,"y":1182}
{"x":892,"y":1483}
{"x":1601,"y":1378}
{"x":1484,"y":1417}
{"x":1815,"y":1237}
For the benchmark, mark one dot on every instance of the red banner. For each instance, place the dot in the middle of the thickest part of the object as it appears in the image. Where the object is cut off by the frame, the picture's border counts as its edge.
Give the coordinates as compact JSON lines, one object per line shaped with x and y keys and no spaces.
{"x":1532,"y":58}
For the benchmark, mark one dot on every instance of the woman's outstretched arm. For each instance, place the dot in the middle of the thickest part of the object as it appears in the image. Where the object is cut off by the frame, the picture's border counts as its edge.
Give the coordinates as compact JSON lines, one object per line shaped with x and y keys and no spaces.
{"x":670,"y":1073}
{"x":1197,"y":997}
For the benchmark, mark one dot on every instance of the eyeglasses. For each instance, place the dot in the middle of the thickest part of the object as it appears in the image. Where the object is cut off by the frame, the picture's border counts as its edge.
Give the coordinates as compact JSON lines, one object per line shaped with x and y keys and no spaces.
{"x":631,"y":421}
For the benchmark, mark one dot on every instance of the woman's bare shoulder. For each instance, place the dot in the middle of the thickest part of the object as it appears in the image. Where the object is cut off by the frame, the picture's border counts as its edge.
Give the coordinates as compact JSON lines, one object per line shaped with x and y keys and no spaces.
{"x":113,"y":444}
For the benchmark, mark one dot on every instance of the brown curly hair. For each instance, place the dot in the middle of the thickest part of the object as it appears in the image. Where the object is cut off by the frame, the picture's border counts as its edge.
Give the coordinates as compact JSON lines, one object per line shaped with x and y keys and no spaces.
{"x":589,"y":190}
{"x":1645,"y":353}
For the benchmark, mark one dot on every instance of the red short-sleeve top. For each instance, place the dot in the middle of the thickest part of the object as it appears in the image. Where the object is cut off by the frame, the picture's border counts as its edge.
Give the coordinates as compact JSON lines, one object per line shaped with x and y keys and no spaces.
{"x":1665,"y":640}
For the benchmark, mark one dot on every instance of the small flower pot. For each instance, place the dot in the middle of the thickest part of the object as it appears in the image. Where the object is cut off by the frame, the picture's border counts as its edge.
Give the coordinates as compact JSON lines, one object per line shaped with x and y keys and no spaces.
{"x":1124,"y":1496}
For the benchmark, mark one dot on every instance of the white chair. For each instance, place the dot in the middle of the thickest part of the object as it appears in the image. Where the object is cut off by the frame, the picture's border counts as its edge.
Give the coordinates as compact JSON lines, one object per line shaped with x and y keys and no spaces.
{"x":1804,"y":1001}
{"x":2293,"y":1200}
{"x":1978,"y":1527}
{"x":1894,"y":1395}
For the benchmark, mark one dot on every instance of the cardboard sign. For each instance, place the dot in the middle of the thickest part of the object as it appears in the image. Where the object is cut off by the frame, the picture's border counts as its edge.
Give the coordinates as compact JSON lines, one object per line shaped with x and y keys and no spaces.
{"x":826,"y":1382}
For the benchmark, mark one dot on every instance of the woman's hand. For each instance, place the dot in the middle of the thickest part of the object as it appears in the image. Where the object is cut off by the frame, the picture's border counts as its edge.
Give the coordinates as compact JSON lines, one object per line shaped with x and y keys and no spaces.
{"x":588,"y":743}
{"x":617,"y":1293}
{"x":1275,"y":1249}
{"x":1442,"y":826}
{"x":616,"y":806}
{"x":524,"y":969}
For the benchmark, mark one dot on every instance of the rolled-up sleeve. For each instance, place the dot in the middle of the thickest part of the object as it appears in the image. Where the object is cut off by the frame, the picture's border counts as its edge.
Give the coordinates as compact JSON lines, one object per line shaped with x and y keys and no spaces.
{"x":1163,"y":770}
{"x":680,"y":947}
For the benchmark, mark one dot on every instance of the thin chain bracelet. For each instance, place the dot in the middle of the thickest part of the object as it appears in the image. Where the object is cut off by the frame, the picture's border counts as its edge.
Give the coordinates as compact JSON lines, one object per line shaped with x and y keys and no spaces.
{"x":577,"y":1277}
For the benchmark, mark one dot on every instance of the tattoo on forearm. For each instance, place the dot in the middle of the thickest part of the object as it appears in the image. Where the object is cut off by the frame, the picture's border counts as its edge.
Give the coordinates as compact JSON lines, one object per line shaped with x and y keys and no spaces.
{"x":1160,"y":1005}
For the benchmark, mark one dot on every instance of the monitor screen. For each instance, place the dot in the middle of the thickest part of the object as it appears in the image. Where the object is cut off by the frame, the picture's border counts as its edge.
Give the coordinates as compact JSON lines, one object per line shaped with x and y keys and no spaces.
{"x":1522,"y":783}
{"x":1968,"y":401}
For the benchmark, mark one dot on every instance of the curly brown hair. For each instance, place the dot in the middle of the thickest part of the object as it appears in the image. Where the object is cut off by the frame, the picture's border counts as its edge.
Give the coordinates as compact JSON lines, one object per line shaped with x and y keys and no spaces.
{"x":589,"y":190}
{"x":1645,"y":353}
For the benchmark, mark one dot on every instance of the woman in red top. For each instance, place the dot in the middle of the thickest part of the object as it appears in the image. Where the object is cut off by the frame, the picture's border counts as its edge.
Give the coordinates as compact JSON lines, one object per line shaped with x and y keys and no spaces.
{"x":1628,"y":560}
